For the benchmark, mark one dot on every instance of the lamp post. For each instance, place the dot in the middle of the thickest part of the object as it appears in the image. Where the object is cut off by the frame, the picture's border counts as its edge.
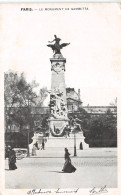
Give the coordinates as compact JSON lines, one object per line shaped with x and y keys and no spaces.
{"x":28,"y":129}
{"x":28,"y":153}
{"x":74,"y":132}
{"x":75,"y":154}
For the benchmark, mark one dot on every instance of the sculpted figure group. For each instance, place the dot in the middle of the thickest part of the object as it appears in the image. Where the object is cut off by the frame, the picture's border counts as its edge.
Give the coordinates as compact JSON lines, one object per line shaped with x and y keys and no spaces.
{"x":56,"y":47}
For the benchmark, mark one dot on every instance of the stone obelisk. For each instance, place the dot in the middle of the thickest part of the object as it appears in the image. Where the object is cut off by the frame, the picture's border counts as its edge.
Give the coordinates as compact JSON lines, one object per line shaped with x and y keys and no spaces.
{"x":58,"y":103}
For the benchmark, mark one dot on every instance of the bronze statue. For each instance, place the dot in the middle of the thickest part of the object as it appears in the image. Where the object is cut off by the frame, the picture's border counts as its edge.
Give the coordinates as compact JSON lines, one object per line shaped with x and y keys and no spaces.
{"x":56,"y":47}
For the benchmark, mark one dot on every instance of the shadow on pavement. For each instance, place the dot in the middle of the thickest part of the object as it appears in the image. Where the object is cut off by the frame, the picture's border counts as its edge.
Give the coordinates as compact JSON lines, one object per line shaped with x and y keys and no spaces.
{"x":10,"y":169}
{"x":57,"y":171}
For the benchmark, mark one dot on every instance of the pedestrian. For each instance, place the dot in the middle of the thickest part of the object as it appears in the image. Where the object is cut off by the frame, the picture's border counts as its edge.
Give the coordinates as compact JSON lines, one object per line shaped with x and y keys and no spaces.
{"x":36,"y":145}
{"x":43,"y":145}
{"x":68,"y":133}
{"x":68,"y":167}
{"x":34,"y":150}
{"x":7,"y":150}
{"x":81,"y":146}
{"x":12,"y":160}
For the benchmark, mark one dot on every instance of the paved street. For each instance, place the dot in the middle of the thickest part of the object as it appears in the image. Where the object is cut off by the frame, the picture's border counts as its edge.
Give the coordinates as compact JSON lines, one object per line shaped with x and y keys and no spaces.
{"x":44,"y":172}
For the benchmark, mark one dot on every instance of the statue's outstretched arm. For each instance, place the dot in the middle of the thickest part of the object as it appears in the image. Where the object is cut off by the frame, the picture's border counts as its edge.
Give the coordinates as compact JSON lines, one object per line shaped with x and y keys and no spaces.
{"x":51,"y":41}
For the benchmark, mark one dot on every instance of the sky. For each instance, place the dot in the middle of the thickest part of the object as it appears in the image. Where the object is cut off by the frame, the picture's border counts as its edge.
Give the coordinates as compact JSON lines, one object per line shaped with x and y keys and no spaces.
{"x":93,"y":60}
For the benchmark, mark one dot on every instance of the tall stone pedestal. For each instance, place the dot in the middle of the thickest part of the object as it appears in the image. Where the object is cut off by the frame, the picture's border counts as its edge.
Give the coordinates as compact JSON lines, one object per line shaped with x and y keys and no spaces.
{"x":58,"y":122}
{"x":58,"y":102}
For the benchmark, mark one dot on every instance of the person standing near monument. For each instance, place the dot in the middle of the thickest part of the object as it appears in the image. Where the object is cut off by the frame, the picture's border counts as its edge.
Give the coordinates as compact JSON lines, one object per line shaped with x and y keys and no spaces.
{"x":34,"y":150}
{"x":81,"y":146}
{"x":43,"y":145}
{"x":36,"y":145}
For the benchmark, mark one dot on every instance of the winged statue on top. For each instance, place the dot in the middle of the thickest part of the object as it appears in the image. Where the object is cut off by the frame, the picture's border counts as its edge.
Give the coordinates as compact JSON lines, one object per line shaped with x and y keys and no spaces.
{"x":56,"y":47}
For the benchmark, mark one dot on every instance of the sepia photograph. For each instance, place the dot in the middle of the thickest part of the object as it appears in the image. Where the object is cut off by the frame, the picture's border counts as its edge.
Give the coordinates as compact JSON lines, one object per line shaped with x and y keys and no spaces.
{"x":61,"y":67}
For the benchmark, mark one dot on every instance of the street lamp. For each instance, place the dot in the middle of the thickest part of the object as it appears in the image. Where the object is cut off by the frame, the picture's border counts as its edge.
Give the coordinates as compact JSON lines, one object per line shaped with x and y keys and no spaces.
{"x":74,"y":132}
{"x":28,"y":129}
{"x":28,"y":153}
{"x":75,"y":154}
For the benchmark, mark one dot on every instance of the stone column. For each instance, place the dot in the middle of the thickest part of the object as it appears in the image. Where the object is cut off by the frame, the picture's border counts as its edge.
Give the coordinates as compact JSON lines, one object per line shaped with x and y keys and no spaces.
{"x":58,"y":102}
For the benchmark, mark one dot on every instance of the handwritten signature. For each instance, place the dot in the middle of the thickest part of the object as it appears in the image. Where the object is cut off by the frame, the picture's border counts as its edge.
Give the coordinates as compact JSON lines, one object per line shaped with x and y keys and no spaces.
{"x":101,"y":190}
{"x":42,"y":191}
{"x":58,"y":191}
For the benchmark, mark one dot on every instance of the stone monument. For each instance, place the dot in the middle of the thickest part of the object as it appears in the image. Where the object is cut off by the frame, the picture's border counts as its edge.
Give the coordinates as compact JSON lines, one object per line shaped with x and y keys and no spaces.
{"x":61,"y":129}
{"x":59,"y":122}
{"x":58,"y":103}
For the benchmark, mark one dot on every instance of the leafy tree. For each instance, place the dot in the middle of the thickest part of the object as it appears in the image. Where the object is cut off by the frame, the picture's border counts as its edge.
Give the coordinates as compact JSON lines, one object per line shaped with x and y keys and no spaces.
{"x":18,"y":94}
{"x":98,"y":130}
{"x":19,"y":97}
{"x":102,"y":131}
{"x":43,"y":126}
{"x":17,"y":139}
{"x":43,"y":93}
{"x":114,"y":102}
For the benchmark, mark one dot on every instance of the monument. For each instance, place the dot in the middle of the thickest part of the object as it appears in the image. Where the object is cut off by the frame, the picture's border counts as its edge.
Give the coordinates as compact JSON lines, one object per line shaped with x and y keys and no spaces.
{"x":58,"y":103}
{"x":59,"y":124}
{"x":63,"y":132}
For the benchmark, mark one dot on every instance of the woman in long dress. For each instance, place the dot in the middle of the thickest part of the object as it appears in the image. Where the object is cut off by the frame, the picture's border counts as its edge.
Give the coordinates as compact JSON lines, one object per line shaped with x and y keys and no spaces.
{"x":68,"y":167}
{"x":12,"y":160}
{"x":34,"y":150}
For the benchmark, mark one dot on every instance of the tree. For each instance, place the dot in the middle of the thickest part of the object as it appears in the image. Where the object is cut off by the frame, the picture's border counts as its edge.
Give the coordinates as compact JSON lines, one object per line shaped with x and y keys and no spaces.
{"x":17,"y":139}
{"x":18,"y":94}
{"x":43,"y":93}
{"x":102,"y":131}
{"x":114,"y":102}
{"x":19,"y":97}
{"x":42,"y":126}
{"x":98,"y":130}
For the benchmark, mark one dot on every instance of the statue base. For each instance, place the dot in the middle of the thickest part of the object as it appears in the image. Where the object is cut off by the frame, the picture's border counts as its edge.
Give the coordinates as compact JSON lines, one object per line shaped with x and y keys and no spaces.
{"x":56,"y":145}
{"x":57,"y":127}
{"x":67,"y":142}
{"x":60,"y":138}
